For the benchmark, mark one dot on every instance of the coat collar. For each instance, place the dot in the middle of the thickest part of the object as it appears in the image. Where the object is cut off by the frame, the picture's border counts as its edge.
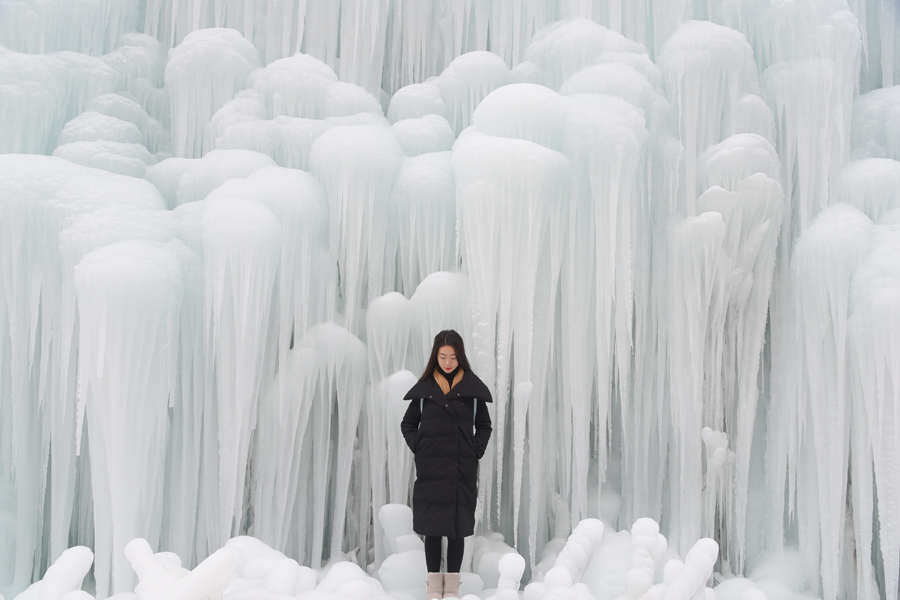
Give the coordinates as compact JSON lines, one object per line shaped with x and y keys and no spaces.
{"x":470,"y":387}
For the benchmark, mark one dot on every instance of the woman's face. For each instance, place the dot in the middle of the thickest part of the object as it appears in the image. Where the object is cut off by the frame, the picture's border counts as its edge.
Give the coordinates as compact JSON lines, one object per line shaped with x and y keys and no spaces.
{"x":446,"y":358}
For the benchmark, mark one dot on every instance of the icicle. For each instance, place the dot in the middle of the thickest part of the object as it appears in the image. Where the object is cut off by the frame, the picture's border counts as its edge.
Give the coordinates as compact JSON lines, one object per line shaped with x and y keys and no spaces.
{"x":441,"y":302}
{"x":42,"y":93}
{"x":824,"y":262}
{"x":417,"y":100}
{"x":431,"y":133}
{"x":363,"y":30}
{"x":696,"y":245}
{"x":357,"y":165}
{"x":504,"y":191}
{"x":203,"y":73}
{"x":707,"y":69}
{"x":126,"y":399}
{"x":873,"y":335}
{"x":242,"y":246}
{"x":872,"y":185}
{"x":465,"y":83}
{"x":876,"y":124}
{"x":563,"y":48}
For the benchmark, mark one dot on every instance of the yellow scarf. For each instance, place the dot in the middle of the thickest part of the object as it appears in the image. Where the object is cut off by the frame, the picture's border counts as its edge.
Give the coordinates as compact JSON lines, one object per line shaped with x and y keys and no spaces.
{"x":442,"y":381}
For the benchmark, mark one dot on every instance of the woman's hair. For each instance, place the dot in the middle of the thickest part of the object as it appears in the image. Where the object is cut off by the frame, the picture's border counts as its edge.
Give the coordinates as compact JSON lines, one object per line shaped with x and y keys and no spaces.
{"x":448,"y":337}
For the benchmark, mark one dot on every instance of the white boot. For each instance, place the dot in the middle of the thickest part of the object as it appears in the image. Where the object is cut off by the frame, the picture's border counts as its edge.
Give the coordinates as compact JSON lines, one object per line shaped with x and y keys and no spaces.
{"x":434,"y":586}
{"x":451,"y":585}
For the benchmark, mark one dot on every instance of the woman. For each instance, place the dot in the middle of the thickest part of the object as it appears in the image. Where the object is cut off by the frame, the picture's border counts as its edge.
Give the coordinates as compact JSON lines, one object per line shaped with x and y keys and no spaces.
{"x":447,"y":401}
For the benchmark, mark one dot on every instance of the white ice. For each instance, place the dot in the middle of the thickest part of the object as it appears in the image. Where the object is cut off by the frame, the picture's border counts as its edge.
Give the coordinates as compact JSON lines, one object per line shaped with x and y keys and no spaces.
{"x":667,"y":231}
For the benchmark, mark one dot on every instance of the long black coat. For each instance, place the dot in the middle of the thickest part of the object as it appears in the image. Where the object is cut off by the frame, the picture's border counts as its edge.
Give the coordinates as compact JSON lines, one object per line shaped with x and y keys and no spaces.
{"x":447,"y":453}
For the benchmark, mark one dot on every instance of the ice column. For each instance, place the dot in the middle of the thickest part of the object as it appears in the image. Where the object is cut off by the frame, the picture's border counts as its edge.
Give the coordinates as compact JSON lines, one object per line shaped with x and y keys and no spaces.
{"x":605,"y":140}
{"x":341,"y":386}
{"x":875,"y":389}
{"x":507,"y":192}
{"x":242,"y":247}
{"x":203,"y":73}
{"x":424,"y":201}
{"x":693,"y":283}
{"x":707,"y":69}
{"x":816,"y":412}
{"x":363,"y":30}
{"x":748,"y":165}
{"x":466,"y":81}
{"x":281,"y":450}
{"x":357,"y":165}
{"x":129,"y":297}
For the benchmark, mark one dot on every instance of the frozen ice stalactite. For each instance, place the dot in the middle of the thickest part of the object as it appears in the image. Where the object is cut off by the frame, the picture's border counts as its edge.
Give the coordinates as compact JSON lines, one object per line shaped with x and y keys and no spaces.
{"x":431,"y":133}
{"x":341,"y":387}
{"x":467,"y":81}
{"x":242,"y":247}
{"x":347,"y":100}
{"x":883,"y":42}
{"x":40,"y":27}
{"x":605,"y":139}
{"x":762,"y":207}
{"x":38,"y":324}
{"x":115,"y":157}
{"x":694,"y":283}
{"x":203,"y":73}
{"x":707,"y":68}
{"x":748,"y":165}
{"x":390,"y":461}
{"x":190,"y":180}
{"x":873,"y":334}
{"x":91,"y":126}
{"x":357,"y":165}
{"x":298,"y":201}
{"x":140,"y":62}
{"x":295,"y":86}
{"x":388,"y":333}
{"x":363,"y":36}
{"x":506,"y":217}
{"x":282,"y":427}
{"x":876,"y":124}
{"x":424,"y":201}
{"x":735,"y":158}
{"x":41,"y":93}
{"x":524,"y":111}
{"x":537,"y":115}
{"x":813,"y":145}
{"x":813,"y":438}
{"x":563,"y":48}
{"x":127,"y":438}
{"x":153,"y":135}
{"x":872,"y":185}
{"x":623,"y":80}
{"x":808,"y":55}
{"x":415,"y":101}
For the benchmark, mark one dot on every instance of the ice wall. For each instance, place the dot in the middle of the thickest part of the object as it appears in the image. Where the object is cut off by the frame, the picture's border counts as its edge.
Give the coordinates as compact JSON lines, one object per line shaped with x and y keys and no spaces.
{"x":667,"y":231}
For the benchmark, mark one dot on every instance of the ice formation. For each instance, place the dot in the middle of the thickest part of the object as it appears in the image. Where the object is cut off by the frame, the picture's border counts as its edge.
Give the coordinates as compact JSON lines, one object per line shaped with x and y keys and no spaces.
{"x":668,"y":232}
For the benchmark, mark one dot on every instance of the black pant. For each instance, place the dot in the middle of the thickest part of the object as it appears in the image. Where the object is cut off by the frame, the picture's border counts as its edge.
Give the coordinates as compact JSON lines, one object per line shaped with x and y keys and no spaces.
{"x":455,"y":548}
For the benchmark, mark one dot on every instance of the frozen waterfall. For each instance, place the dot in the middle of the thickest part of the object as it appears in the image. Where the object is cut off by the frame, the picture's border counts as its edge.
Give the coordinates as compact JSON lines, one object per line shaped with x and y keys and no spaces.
{"x":668,"y":231}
